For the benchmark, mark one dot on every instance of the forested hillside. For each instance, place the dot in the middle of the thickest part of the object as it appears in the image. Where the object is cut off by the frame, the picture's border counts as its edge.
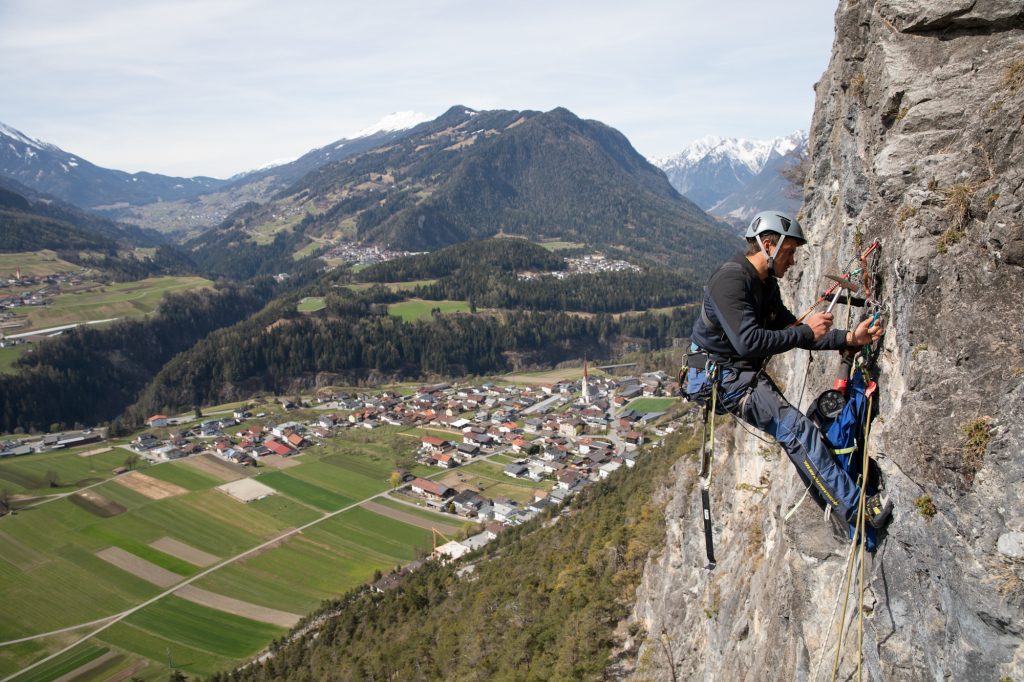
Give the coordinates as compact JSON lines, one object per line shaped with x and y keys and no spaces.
{"x":30,"y":221}
{"x":89,"y":375}
{"x":497,"y":255}
{"x":543,"y":602}
{"x":354,"y":340}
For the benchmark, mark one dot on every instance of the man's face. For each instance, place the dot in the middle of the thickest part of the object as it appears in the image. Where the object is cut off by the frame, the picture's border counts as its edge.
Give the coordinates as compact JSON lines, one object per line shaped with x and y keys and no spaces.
{"x":785,"y":256}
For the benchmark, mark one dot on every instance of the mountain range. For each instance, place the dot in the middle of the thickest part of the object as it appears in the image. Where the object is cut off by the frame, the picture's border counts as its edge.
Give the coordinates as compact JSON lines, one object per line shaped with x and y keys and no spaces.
{"x":47,"y":168}
{"x":473,"y":174}
{"x":734,"y":178}
{"x":166,"y":203}
{"x":464,"y":175}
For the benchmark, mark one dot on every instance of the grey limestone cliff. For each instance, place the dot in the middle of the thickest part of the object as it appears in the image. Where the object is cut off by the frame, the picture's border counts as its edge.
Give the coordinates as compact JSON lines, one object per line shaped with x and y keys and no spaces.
{"x":916,"y":141}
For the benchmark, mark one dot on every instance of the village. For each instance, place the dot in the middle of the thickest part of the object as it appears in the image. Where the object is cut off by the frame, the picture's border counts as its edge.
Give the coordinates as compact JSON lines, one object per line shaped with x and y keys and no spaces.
{"x":26,"y":290}
{"x":552,"y":438}
{"x":354,"y":253}
{"x":584,"y":265}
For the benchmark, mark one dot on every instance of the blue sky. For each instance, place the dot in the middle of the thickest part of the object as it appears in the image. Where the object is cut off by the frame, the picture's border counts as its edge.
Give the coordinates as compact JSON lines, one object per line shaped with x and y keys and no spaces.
{"x":216,"y":87}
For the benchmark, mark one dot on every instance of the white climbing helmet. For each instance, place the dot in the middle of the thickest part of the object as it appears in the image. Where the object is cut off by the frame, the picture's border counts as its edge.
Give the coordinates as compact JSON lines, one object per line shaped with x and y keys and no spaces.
{"x":778,"y":222}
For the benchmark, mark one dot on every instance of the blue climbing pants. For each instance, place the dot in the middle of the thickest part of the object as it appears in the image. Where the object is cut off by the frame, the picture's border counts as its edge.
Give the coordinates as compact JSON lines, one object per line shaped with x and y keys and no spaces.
{"x":752,"y":396}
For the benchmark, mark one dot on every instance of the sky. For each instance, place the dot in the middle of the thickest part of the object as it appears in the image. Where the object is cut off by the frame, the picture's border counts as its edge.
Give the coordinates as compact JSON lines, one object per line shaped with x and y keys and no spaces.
{"x":218,"y":87}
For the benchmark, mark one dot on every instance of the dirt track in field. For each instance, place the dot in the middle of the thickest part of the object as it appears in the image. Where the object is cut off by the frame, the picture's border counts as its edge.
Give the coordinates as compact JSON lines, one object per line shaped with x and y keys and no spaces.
{"x":411,"y":519}
{"x":97,"y":451}
{"x":210,"y":464}
{"x":238,"y":607}
{"x":180,"y":550}
{"x":139,"y":567}
{"x":279,"y":462}
{"x":93,"y":502}
{"x":153,"y":488}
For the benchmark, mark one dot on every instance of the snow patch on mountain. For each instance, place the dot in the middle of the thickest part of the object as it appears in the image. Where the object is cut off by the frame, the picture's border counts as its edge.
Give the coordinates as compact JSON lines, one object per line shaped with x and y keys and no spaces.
{"x":397,"y":120}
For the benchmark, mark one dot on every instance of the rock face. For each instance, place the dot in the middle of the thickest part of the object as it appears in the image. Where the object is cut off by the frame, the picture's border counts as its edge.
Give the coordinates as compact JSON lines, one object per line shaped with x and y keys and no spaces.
{"x":916,"y":141}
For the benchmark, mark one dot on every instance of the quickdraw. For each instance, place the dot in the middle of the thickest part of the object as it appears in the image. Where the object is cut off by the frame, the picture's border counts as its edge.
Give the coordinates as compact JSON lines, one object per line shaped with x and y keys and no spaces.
{"x":850,"y":271}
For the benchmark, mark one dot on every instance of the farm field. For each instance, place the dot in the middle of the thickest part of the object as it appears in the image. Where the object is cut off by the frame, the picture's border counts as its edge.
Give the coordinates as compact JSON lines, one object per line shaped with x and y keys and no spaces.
{"x":183,"y":475}
{"x":492,"y":481}
{"x":550,"y":377}
{"x":127,"y":299}
{"x":66,"y":468}
{"x":392,"y":286}
{"x":98,"y":553}
{"x":419,"y":309}
{"x":308,"y":493}
{"x":562,"y":245}
{"x":35,"y":263}
{"x":322,"y":562}
{"x":17,"y":656}
{"x":66,"y":663}
{"x":652,"y":404}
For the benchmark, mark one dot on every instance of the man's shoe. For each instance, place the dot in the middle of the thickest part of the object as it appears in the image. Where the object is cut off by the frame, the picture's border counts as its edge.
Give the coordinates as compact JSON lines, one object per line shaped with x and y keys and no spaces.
{"x":878,"y":510}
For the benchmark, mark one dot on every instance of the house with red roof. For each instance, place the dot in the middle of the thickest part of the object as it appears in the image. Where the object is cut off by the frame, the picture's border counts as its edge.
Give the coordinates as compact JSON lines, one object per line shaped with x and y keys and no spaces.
{"x":433,"y":444}
{"x":277,"y":447}
{"x":431,"y":489}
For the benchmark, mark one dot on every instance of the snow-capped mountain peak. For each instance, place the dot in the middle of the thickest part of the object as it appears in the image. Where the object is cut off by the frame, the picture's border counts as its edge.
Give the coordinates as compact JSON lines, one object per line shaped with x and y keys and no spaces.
{"x":710,"y":169}
{"x":397,"y":120}
{"x":13,"y":133}
{"x":753,"y":154}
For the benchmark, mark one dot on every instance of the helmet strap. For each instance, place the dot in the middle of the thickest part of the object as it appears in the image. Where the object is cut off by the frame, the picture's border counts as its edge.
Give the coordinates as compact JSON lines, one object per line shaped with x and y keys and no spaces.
{"x":770,"y":257}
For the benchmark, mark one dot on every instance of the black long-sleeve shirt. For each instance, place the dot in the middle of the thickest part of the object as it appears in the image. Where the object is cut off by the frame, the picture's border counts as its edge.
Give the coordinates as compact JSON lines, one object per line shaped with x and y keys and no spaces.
{"x":745,"y":321}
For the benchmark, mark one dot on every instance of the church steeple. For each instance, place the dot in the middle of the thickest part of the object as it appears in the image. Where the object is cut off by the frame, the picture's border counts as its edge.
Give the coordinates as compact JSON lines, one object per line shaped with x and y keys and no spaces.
{"x":586,"y":384}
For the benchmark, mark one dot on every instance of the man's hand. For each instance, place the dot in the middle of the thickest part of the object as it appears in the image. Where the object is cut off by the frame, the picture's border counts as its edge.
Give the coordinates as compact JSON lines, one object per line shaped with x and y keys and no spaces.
{"x":820,"y":323}
{"x":868,"y":331}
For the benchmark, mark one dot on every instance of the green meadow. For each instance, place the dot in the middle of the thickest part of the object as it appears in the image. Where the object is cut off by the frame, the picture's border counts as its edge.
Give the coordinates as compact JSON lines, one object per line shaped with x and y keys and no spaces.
{"x":8,"y":356}
{"x":66,"y":663}
{"x":652,"y":404}
{"x":420,"y":309}
{"x":35,"y":263}
{"x":125,"y":299}
{"x":305,"y":492}
{"x":562,"y":245}
{"x":311,"y":304}
{"x":392,"y":286}
{"x":68,"y":470}
{"x":322,"y":562}
{"x":491,"y":480}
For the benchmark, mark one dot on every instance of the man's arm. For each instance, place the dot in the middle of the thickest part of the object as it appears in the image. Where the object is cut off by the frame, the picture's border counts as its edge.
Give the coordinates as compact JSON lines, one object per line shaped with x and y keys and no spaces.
{"x":733,"y":305}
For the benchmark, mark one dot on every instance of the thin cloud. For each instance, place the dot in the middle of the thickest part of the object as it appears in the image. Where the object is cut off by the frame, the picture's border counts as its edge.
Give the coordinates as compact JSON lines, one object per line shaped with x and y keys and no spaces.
{"x":217,"y":87}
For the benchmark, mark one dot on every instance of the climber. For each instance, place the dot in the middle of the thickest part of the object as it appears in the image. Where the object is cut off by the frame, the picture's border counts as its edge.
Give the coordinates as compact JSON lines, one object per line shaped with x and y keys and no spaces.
{"x":742,"y":324}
